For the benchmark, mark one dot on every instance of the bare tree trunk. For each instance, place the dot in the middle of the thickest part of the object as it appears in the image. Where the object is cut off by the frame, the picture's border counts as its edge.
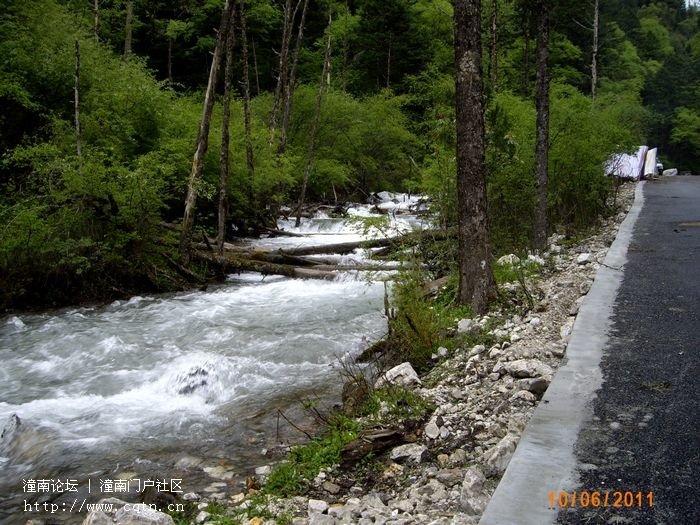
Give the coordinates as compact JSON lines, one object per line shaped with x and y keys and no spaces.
{"x":493,"y":64}
{"x":594,"y":57}
{"x":314,"y":124}
{"x":388,"y":62}
{"x":170,"y":59}
{"x":289,"y":91}
{"x":542,"y":125}
{"x":76,"y":97}
{"x":96,"y":18}
{"x":283,"y":65}
{"x":128,"y":28}
{"x":255,"y":68}
{"x":246,"y":106}
{"x":526,"y":52}
{"x":202,"y":141}
{"x":476,"y":283}
{"x":225,"y":133}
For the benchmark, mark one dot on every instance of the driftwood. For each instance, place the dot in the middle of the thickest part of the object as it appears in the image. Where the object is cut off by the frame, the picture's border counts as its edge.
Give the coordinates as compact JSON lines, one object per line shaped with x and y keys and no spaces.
{"x":375,"y":442}
{"x":297,"y":261}
{"x":233,"y":263}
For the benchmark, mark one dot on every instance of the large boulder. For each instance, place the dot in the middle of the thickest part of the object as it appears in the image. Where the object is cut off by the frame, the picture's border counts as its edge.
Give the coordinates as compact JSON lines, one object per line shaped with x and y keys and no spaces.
{"x":400,"y":375}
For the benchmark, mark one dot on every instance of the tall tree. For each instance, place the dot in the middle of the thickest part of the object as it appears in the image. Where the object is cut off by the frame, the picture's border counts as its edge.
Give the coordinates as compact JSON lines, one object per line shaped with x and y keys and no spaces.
{"x":476,"y":283}
{"x":246,"y":103}
{"x":128,"y":28}
{"x":314,"y":123}
{"x":202,"y":139}
{"x":225,"y":133}
{"x":594,"y":51}
{"x":542,"y":124}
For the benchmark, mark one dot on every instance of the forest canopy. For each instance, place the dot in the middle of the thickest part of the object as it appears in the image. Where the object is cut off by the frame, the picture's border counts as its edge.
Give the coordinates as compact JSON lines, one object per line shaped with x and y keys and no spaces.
{"x":101,"y":103}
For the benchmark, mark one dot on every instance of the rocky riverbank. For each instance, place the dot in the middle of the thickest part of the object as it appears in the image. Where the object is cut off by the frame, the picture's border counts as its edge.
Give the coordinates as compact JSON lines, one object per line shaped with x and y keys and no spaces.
{"x":484,"y":396}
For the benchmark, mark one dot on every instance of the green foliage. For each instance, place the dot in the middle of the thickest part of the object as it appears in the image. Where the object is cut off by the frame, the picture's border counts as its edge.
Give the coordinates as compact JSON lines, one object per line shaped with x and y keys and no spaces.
{"x":304,"y":462}
{"x":583,"y":137}
{"x":393,"y":402}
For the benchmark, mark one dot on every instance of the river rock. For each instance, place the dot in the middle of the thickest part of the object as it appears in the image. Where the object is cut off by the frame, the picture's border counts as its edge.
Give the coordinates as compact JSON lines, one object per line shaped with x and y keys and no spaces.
{"x":114,"y":510}
{"x":401,"y":375}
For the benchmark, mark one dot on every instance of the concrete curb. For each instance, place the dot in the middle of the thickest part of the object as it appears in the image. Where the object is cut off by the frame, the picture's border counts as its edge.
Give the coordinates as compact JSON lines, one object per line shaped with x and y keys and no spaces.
{"x":544,"y":460}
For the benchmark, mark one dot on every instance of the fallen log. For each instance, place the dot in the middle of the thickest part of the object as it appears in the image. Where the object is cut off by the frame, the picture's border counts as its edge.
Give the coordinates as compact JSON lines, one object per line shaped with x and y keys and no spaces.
{"x":231,"y":264}
{"x":348,"y":247}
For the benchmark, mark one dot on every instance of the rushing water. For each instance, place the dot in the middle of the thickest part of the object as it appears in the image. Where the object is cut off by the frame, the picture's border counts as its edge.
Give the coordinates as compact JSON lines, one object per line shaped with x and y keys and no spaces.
{"x":188,"y":386}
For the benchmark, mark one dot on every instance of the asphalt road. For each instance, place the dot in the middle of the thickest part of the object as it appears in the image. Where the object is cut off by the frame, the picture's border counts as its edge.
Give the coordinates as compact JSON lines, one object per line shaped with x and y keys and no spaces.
{"x":644,"y":436}
{"x":620,"y":424}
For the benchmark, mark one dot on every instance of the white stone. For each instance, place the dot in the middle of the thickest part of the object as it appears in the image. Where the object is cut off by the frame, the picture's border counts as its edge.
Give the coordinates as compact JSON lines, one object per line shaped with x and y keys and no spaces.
{"x":317,"y":506}
{"x":528,"y":368}
{"x":432,"y":431}
{"x":496,"y":459}
{"x":584,"y":258}
{"x":409,"y":453}
{"x":511,"y":259}
{"x":472,"y":498}
{"x":402,"y":375}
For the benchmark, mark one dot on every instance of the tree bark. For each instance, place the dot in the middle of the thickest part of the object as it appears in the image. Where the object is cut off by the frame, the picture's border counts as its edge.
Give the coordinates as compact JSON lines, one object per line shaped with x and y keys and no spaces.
{"x":283,"y":65}
{"x":314,"y":125}
{"x":289,"y":91}
{"x":202,"y":141}
{"x":76,"y":106}
{"x":96,"y":20}
{"x":476,"y":283}
{"x":128,"y":29}
{"x":246,"y":105}
{"x":225,"y":133}
{"x":594,"y":54}
{"x":493,"y":64}
{"x":542,"y":125}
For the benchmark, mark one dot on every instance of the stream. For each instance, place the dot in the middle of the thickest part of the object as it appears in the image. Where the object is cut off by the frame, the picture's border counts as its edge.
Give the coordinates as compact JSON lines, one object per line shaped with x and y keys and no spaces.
{"x":186,"y":390}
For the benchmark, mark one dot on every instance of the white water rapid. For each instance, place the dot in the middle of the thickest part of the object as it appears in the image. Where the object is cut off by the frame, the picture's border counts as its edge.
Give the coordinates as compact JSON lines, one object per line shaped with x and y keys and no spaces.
{"x":184,"y":386}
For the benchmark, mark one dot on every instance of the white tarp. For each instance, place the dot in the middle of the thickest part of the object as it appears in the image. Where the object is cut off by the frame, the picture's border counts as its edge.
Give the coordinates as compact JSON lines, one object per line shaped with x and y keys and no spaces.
{"x":650,"y":163}
{"x":626,"y":165}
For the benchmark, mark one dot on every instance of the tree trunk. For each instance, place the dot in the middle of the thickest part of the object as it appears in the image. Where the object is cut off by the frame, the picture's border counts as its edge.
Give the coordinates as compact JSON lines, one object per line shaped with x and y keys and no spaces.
{"x":542,"y":124}
{"x":76,"y":101}
{"x":493,"y":64}
{"x":225,"y":133}
{"x":170,"y":59}
{"x":246,"y":106}
{"x":202,"y":141}
{"x":289,"y":91}
{"x":314,"y":125}
{"x":594,"y":54}
{"x":128,"y":28}
{"x":283,"y":65}
{"x":96,"y":20}
{"x":255,"y":68}
{"x":476,"y":283}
